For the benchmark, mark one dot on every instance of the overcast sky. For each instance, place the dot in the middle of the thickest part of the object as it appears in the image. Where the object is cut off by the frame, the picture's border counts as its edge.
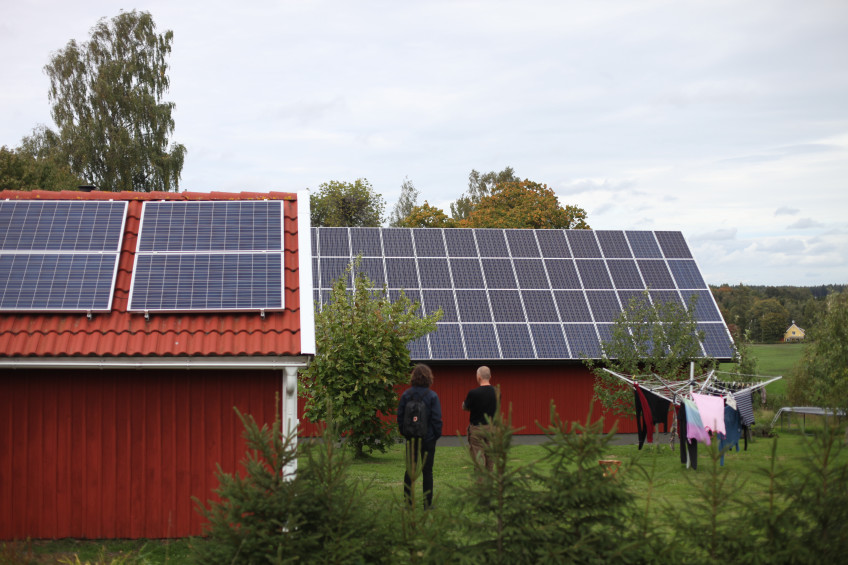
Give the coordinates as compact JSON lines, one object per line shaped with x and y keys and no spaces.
{"x":726,"y":120}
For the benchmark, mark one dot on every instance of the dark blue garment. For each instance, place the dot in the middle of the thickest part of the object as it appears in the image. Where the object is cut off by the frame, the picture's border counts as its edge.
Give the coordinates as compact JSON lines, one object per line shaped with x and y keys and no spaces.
{"x":434,"y":414}
{"x":733,"y":427}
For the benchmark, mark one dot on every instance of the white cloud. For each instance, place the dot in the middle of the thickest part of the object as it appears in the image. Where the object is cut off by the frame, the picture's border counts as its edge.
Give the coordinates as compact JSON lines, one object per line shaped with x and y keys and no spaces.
{"x":805,"y":223}
{"x":786,"y":211}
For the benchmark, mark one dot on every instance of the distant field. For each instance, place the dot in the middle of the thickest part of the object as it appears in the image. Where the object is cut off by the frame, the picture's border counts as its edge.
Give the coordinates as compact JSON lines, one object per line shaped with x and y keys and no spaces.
{"x":776,"y":359}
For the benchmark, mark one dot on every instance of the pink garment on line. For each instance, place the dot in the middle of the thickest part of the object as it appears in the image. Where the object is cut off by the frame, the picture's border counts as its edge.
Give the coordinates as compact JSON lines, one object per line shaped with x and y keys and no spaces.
{"x":712,"y":412}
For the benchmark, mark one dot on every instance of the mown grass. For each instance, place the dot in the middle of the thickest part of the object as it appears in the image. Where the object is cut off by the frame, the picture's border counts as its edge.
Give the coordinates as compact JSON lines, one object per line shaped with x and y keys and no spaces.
{"x":383,"y":473}
{"x":775,"y":359}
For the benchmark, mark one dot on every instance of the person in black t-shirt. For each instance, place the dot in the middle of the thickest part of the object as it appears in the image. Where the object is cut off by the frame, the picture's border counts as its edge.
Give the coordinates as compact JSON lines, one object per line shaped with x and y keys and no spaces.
{"x":481,"y":402}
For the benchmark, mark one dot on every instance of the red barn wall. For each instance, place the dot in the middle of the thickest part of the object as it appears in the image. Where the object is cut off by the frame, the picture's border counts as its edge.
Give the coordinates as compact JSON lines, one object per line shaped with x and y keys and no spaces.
{"x":109,"y":454}
{"x":528,"y":388}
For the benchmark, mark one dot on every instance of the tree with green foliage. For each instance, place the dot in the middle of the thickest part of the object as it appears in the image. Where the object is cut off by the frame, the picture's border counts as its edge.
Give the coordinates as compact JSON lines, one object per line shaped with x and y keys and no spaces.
{"x":769,"y":319}
{"x":821,"y":377}
{"x":405,"y":204}
{"x":560,"y":509}
{"x":426,"y":216}
{"x":346,"y":204}
{"x":524,"y":204}
{"x":106,"y":97}
{"x":361,"y":359}
{"x":261,"y":515}
{"x":19,"y":170}
{"x":660,"y":338}
{"x":479,"y":186}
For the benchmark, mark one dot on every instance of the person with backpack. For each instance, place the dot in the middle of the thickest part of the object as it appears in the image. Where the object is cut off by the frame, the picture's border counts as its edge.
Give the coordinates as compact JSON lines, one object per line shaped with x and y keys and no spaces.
{"x":419,"y":417}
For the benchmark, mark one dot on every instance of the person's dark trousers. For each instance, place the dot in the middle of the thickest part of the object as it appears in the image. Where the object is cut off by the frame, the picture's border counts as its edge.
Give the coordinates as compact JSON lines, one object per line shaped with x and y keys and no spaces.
{"x":427,"y":453}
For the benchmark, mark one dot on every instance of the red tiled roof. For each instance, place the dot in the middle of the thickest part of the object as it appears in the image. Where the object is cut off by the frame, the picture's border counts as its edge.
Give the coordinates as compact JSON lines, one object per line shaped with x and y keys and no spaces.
{"x":122,"y":333}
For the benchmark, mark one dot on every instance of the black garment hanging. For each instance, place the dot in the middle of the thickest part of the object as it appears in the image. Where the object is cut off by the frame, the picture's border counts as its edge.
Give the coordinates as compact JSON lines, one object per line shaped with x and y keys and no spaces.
{"x":688,"y":451}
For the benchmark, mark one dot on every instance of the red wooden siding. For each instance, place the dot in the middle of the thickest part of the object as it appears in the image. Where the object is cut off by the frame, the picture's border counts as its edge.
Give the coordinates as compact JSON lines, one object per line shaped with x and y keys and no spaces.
{"x":120,"y":454}
{"x":529,"y":388}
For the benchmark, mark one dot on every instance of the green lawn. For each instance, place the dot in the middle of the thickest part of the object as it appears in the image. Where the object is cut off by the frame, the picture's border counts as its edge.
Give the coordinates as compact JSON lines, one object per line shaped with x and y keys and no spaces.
{"x":776,"y":359}
{"x":452,"y":471}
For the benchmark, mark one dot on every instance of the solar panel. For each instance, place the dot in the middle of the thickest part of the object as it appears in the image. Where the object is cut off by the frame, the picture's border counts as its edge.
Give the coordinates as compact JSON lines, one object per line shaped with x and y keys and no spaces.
{"x":522,"y":243}
{"x":220,"y":255}
{"x":686,"y":274}
{"x":705,"y":308}
{"x":549,"y":340}
{"x":516,"y":294}
{"x":655,"y":274}
{"x":499,"y":273}
{"x":553,"y":244}
{"x":673,"y":245}
{"x":434,"y":273}
{"x":481,"y":341}
{"x":593,"y":273}
{"x":401,"y":272}
{"x":539,"y":305}
{"x":531,"y":273}
{"x":506,"y":306}
{"x":562,"y":273}
{"x":644,"y":244}
{"x":473,"y":306}
{"x":69,"y":282}
{"x":460,"y":243}
{"x":583,"y":244}
{"x":366,"y":242}
{"x":582,"y":340}
{"x":613,"y":244}
{"x":466,"y":273}
{"x":333,"y":242}
{"x":33,"y":225}
{"x":446,"y":342}
{"x":210,"y":281}
{"x":59,"y":255}
{"x":491,"y":243}
{"x":717,"y":342}
{"x":515,"y":341}
{"x":604,"y":305}
{"x":625,"y":274}
{"x":444,"y":299}
{"x":572,"y":305}
{"x":397,"y":242}
{"x":428,"y":242}
{"x":242,"y":225}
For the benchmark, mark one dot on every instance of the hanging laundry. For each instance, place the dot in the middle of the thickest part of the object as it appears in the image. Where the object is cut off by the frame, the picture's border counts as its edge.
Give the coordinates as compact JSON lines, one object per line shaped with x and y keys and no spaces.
{"x":688,"y":450}
{"x":730,"y":401}
{"x":711,"y":409}
{"x":694,"y":427}
{"x":745,"y":407}
{"x":659,"y":408}
{"x":733,"y":427}
{"x":644,"y":417}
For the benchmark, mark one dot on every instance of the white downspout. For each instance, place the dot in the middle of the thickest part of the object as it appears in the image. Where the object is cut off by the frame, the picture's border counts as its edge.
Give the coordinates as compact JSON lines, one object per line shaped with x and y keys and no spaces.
{"x":289,"y":416}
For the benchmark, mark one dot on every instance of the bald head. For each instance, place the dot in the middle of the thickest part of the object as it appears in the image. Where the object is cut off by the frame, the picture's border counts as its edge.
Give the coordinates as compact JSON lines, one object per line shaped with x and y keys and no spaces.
{"x":484,"y":375}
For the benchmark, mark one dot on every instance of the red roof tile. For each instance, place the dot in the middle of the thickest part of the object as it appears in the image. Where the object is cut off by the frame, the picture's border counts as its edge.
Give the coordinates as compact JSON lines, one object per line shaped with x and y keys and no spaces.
{"x":122,"y":333}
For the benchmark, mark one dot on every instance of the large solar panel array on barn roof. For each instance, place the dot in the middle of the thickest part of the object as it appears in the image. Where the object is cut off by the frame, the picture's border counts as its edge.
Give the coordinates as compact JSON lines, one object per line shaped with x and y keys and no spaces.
{"x":59,"y":255}
{"x":209,"y":256}
{"x":521,"y":294}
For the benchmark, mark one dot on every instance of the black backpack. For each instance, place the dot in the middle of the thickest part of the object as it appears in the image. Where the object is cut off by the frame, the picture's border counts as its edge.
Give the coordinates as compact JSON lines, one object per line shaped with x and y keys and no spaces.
{"x":415,"y":418}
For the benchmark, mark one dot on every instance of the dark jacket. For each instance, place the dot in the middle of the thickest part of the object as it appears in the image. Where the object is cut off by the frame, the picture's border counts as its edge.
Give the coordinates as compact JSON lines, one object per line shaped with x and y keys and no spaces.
{"x":434,"y":416}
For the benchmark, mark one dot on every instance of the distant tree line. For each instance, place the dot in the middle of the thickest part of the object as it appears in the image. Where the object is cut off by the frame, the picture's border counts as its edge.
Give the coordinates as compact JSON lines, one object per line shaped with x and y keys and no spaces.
{"x":763,"y":313}
{"x":492,"y":200}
